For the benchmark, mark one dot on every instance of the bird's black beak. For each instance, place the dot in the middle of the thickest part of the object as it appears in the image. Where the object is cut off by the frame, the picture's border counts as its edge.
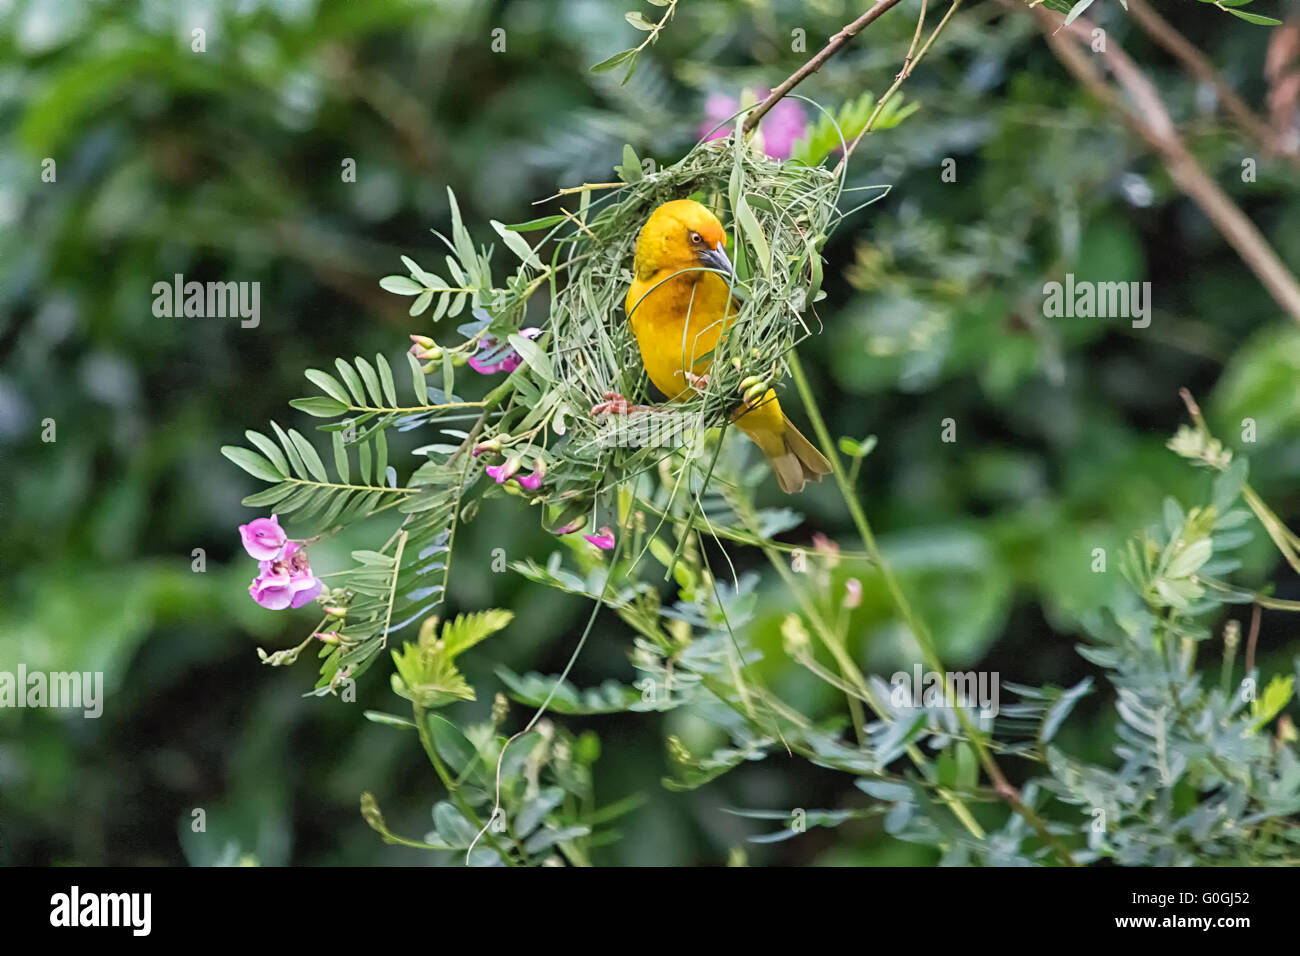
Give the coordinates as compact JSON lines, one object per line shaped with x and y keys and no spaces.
{"x":717,"y":259}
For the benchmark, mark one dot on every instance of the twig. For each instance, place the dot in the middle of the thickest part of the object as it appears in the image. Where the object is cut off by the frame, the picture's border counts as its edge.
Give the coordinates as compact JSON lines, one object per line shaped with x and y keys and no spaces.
{"x":817,"y":62}
{"x":1252,"y":639}
{"x":1151,"y":121}
{"x":908,"y":65}
{"x":1199,"y":65}
{"x":920,"y":633}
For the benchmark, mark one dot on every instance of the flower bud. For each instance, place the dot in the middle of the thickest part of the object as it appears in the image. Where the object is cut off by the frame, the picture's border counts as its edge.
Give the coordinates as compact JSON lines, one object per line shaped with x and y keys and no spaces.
{"x":794,"y":635}
{"x":500,"y":709}
{"x":492,"y":444}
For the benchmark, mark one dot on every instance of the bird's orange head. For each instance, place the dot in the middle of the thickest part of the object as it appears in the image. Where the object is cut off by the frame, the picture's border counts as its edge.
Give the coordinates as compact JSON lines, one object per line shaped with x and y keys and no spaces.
{"x":681,"y":235}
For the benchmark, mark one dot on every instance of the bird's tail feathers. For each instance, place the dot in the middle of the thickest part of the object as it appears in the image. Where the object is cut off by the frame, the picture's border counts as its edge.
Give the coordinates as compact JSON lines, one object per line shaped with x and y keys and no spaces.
{"x":798,"y":462}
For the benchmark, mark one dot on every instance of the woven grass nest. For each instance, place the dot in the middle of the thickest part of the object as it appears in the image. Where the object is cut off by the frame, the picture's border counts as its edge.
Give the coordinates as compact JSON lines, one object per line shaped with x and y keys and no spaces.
{"x":777,"y":215}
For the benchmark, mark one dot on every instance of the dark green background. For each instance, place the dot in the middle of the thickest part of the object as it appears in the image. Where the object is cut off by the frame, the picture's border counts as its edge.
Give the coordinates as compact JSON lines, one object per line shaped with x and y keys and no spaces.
{"x":225,"y":165}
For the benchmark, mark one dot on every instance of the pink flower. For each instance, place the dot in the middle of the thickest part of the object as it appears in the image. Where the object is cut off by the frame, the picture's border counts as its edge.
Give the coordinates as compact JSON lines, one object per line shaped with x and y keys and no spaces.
{"x":852,"y":593}
{"x":604,"y":540}
{"x":572,"y":526}
{"x":824,"y":545}
{"x":263,"y":538}
{"x":508,"y":471}
{"x":783,"y":126}
{"x":499,"y":358}
{"x":286,"y":581}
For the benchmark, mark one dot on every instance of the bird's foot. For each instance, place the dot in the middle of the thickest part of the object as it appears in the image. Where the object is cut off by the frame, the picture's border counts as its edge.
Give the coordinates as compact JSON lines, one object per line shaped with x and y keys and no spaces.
{"x":616,"y":404}
{"x":697,"y":382}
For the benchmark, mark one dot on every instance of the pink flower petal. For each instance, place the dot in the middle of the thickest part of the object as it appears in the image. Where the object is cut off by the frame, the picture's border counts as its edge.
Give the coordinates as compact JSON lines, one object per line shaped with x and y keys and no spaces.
{"x":307,"y":594}
{"x":272,"y":596}
{"x":263,"y":538}
{"x":604,"y":540}
{"x":506,"y":362}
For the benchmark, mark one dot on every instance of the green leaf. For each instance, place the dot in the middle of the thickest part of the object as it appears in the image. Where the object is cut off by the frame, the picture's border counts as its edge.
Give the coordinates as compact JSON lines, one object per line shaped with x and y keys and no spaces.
{"x":468,"y":629}
{"x":610,"y":697}
{"x":350,"y":378}
{"x":1255,"y":18}
{"x":1269,"y":704}
{"x":373,"y":559}
{"x":452,"y":827}
{"x":967,"y":766}
{"x":1061,"y":708}
{"x":533,"y":355}
{"x":630,"y":171}
{"x":448,"y":373}
{"x":386,"y":379}
{"x":547,"y":837}
{"x":371,"y":379}
{"x":661,"y":552}
{"x":638,"y":20}
{"x":1190,"y":559}
{"x":1228,"y":484}
{"x":270,"y":495}
{"x":604,"y":66}
{"x":418,"y":385}
{"x":401,"y":285}
{"x":532,"y":225}
{"x":531,"y":814}
{"x":309,"y":457}
{"x":381,"y":458}
{"x":753,"y":233}
{"x":319,"y":406}
{"x":269,"y":449}
{"x":341,"y":458}
{"x":427,"y":279}
{"x":295,"y":459}
{"x":861,"y":448}
{"x":363,"y":460}
{"x":1077,"y":11}
{"x":388,"y":720}
{"x":451,"y":745}
{"x":464,"y":244}
{"x":421,"y":303}
{"x":328,"y":384}
{"x":252,"y":462}
{"x":516,"y":244}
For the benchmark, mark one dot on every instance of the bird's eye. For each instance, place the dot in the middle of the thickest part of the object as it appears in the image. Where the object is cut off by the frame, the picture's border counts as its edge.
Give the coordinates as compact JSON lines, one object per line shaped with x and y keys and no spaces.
{"x":696,"y":238}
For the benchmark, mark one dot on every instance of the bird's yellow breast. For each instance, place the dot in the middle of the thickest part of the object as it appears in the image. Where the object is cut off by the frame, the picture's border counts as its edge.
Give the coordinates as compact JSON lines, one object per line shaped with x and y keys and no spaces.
{"x":677,"y":322}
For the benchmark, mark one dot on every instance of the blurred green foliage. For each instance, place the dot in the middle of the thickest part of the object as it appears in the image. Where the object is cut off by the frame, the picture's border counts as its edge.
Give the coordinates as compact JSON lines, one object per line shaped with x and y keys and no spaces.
{"x":227,"y":165}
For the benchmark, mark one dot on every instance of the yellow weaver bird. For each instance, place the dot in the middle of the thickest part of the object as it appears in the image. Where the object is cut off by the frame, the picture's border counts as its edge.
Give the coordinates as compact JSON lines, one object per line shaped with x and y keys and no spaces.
{"x":679,"y":311}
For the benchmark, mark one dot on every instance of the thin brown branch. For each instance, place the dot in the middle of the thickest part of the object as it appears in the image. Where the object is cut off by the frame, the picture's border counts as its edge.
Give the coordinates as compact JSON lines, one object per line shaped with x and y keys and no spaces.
{"x":1198,"y":64}
{"x":909,"y":63}
{"x":1150,"y":120}
{"x":817,"y":62}
{"x":1253,"y":639}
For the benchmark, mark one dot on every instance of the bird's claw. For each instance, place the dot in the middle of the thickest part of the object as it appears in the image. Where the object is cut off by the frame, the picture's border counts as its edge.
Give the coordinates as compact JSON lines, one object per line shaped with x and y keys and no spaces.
{"x":616,"y":404}
{"x":697,"y":382}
